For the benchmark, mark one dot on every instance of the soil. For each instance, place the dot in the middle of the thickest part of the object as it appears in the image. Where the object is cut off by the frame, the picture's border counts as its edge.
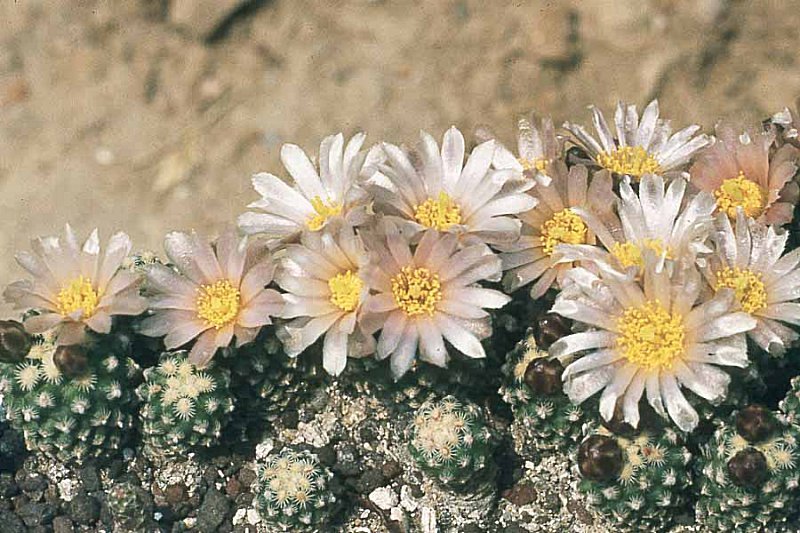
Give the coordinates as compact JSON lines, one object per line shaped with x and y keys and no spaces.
{"x":151,"y":115}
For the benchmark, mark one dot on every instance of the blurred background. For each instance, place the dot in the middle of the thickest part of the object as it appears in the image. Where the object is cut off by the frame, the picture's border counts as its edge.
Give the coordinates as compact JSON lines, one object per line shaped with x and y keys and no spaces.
{"x":151,"y":115}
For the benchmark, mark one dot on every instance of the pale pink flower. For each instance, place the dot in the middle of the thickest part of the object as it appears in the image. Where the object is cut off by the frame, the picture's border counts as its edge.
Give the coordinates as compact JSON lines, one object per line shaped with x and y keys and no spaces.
{"x":212,"y":294}
{"x":324,"y":282}
{"x":73,"y":288}
{"x":430,"y":295}
{"x":739,"y":171}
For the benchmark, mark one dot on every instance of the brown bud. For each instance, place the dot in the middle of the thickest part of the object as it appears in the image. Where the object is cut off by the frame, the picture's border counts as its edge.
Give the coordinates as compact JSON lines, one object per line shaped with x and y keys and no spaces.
{"x":748,"y":468}
{"x":755,"y":423}
{"x":15,"y":343}
{"x":72,"y":361}
{"x":543,"y":376}
{"x":551,"y":328}
{"x":600,"y":458}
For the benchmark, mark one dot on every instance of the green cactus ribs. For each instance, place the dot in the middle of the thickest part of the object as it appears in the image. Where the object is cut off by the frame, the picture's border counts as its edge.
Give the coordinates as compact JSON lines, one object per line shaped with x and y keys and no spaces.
{"x":544,"y":418}
{"x":72,"y":402}
{"x":450,"y":442}
{"x":638,"y":483}
{"x":183,"y":408}
{"x":748,"y":472}
{"x":292,"y":492}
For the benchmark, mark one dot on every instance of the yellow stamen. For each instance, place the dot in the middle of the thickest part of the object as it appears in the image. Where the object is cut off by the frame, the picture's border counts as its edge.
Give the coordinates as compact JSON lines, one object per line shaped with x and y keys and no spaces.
{"x":748,"y":286}
{"x":534,"y":164}
{"x":416,"y":291}
{"x":740,"y":192}
{"x":565,"y":227}
{"x":78,"y":295}
{"x":438,"y":213}
{"x":650,"y":336}
{"x":345,"y":290}
{"x":324,"y":212}
{"x":218,"y":303}
{"x":629,"y":254}
{"x":630,"y":160}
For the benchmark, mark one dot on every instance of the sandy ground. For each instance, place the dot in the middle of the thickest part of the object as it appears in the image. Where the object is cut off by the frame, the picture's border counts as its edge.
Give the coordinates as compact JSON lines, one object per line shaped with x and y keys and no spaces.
{"x":151,"y":115}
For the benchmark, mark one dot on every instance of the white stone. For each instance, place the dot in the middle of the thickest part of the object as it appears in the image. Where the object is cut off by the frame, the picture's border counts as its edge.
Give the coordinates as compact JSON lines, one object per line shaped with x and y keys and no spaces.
{"x":238,"y":517}
{"x":66,"y":489}
{"x":396,"y":514}
{"x":407,"y":501}
{"x":253,"y":517}
{"x":384,"y":497}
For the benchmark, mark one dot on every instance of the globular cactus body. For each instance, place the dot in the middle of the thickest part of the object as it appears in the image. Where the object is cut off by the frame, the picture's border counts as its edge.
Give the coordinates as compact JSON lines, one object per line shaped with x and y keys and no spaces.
{"x":450,"y":442}
{"x":749,"y":472}
{"x":292,"y":492}
{"x":544,"y":418}
{"x":71,"y":403}
{"x":637,"y":483}
{"x":183,"y":407}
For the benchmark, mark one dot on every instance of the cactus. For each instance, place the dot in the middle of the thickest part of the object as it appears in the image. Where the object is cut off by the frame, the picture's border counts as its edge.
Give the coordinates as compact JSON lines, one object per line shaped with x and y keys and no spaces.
{"x":749,"y":475}
{"x":636,"y":483}
{"x":72,"y":402}
{"x":292,"y":492}
{"x":450,"y":442}
{"x":264,"y":382}
{"x":544,"y":418}
{"x":790,"y":405}
{"x":183,"y":407}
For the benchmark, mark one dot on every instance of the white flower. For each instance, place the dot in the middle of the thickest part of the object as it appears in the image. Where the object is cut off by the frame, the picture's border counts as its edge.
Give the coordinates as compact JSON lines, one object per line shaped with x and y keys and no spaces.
{"x":649,"y":337}
{"x":433,"y":189}
{"x":749,"y":260}
{"x":316,"y":197}
{"x":324,"y":283}
{"x":74,"y":287}
{"x":537,"y":148}
{"x":212,"y":294}
{"x":428,"y":296}
{"x":656,"y":219}
{"x":640,"y":147}
{"x":554,"y":221}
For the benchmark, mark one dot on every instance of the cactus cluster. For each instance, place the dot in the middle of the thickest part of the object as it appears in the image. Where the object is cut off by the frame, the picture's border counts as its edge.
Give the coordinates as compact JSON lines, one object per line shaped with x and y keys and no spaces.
{"x":450,"y":442}
{"x":544,"y":418}
{"x":183,"y":407}
{"x":749,"y":474}
{"x":636,"y":482}
{"x":72,"y":402}
{"x":265,"y":382}
{"x":292,"y":491}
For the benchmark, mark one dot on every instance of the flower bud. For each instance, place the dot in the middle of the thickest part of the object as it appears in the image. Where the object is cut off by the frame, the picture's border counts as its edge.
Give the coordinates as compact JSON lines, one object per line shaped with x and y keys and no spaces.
{"x":543,"y":376}
{"x":15,"y":342}
{"x":551,"y":327}
{"x":71,"y":361}
{"x":600,"y":458}
{"x":748,"y":468}
{"x":755,"y":423}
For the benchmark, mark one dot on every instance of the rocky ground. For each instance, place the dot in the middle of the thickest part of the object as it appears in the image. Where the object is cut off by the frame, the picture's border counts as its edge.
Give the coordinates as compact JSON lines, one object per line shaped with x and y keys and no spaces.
{"x":150,"y":115}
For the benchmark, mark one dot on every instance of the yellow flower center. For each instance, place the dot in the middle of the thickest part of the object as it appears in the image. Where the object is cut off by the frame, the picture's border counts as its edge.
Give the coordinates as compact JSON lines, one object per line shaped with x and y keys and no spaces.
{"x":218,"y":303}
{"x":565,"y":227}
{"x":748,"y":286}
{"x":438,"y":213}
{"x":78,"y":295}
{"x":651,"y":337}
{"x":534,"y":164}
{"x":416,"y":291}
{"x":345,"y":290}
{"x":629,"y":254}
{"x":630,"y":160}
{"x":324,"y":211}
{"x":740,"y":192}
